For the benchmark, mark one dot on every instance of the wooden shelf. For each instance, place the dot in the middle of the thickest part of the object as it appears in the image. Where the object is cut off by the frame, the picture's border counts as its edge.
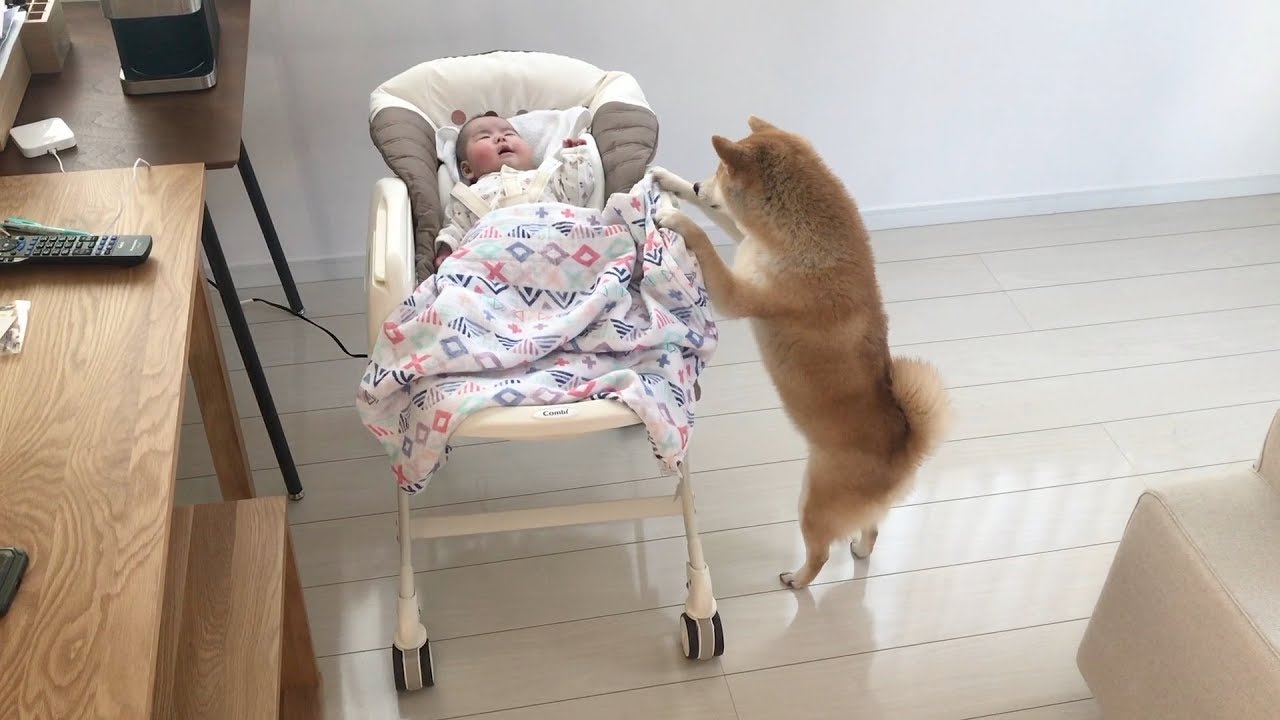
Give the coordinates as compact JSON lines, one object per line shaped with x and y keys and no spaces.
{"x":221,"y":637}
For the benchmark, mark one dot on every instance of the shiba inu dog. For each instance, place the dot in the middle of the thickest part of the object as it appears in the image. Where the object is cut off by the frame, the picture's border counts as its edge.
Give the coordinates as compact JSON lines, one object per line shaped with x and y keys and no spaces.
{"x":805,"y":277}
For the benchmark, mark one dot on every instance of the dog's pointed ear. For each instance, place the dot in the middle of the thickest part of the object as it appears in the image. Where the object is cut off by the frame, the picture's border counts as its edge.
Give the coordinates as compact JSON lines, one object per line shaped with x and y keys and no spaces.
{"x":758,"y":125}
{"x":729,"y":151}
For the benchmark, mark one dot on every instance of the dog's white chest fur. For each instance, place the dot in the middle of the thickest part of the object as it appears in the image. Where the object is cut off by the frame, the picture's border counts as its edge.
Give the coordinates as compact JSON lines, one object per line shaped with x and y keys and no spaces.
{"x":751,"y":262}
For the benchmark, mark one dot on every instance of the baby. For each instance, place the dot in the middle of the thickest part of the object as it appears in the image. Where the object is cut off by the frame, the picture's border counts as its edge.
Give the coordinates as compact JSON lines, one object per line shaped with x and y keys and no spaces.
{"x":498,"y":170}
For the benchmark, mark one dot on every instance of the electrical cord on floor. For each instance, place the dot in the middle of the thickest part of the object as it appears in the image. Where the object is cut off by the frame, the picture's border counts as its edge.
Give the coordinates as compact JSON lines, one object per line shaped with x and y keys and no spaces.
{"x":304,"y":318}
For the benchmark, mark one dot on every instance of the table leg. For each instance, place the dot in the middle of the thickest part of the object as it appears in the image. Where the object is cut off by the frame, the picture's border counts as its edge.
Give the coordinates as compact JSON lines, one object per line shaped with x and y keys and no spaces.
{"x":217,"y":404}
{"x":268,"y":230}
{"x":249,"y":353}
{"x":299,"y":675}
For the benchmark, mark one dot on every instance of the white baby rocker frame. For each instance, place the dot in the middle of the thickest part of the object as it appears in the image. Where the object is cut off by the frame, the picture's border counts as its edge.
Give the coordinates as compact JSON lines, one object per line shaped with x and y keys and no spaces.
{"x":389,"y":280}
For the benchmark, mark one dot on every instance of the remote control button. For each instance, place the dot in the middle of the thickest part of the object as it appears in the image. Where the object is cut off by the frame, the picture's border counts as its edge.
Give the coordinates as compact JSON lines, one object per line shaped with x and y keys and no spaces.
{"x":7,"y":244}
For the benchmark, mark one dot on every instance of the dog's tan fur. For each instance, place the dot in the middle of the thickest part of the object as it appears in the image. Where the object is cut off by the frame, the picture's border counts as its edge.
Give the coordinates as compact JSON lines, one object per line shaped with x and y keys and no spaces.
{"x":805,"y":276}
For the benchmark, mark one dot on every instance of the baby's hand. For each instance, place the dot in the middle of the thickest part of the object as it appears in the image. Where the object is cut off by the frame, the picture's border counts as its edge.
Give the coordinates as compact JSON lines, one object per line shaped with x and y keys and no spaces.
{"x":574,"y":142}
{"x":442,"y":254}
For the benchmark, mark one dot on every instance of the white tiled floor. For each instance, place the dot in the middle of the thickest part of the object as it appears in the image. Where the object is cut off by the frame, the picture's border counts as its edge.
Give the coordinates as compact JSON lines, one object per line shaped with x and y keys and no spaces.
{"x":1090,"y":354}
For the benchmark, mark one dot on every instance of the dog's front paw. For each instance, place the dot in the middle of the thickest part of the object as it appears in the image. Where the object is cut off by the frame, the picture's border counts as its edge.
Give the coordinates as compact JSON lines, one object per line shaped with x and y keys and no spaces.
{"x":662,"y":176}
{"x":672,"y":183}
{"x":673,"y":219}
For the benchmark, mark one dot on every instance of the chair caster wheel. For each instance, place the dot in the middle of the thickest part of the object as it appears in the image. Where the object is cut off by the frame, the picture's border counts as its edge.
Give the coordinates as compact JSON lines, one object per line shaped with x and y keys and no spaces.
{"x":412,"y":667}
{"x":298,"y":495}
{"x":701,"y":639}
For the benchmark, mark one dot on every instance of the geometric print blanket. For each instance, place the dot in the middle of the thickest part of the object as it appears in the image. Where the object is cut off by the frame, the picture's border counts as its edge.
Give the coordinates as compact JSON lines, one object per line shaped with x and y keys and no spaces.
{"x":544,"y":304}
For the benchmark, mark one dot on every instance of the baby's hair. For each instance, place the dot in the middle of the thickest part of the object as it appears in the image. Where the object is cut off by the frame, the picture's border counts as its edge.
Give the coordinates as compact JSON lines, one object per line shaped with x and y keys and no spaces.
{"x":461,"y":149}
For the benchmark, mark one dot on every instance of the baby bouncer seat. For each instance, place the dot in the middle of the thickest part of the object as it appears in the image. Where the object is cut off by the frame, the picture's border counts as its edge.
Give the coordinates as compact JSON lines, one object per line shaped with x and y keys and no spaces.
{"x":407,"y":211}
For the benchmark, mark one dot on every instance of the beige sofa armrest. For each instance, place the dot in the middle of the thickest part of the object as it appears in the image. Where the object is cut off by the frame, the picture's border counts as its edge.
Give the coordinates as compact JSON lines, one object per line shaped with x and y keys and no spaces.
{"x":1269,"y":462}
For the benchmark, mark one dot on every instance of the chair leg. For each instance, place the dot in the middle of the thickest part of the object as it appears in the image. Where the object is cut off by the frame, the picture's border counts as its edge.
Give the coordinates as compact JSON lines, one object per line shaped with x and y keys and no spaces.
{"x":702,"y":634}
{"x":411,"y":651}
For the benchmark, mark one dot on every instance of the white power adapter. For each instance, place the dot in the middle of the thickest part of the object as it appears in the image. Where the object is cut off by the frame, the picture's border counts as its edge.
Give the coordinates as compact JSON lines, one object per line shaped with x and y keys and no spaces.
{"x":43,"y":137}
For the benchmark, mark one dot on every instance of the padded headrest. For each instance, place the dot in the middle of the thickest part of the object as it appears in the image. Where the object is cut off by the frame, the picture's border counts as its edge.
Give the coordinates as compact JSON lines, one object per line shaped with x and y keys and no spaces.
{"x":450,"y":91}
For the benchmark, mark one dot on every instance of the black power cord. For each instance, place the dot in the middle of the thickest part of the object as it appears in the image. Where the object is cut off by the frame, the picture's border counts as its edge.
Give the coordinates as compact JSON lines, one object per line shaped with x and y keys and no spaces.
{"x":304,"y":318}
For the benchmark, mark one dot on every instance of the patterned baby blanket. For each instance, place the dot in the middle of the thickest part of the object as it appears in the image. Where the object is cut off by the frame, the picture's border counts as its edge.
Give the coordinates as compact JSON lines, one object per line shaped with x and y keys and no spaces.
{"x":544,"y":304}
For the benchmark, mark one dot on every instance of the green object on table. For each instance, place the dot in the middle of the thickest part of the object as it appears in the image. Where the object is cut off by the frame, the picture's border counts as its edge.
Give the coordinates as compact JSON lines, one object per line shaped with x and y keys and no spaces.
{"x":31,"y":227}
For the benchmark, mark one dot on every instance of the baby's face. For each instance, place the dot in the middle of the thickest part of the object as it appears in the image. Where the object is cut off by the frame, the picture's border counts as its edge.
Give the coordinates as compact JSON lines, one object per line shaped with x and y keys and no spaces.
{"x":490,"y":143}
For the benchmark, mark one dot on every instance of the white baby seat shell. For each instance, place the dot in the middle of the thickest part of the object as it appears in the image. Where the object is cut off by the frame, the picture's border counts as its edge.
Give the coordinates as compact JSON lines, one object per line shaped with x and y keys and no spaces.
{"x":406,"y":114}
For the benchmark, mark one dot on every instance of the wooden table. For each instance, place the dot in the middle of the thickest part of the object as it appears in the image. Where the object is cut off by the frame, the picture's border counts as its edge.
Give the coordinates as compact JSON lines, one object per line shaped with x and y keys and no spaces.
{"x":90,"y":417}
{"x":113,"y":130}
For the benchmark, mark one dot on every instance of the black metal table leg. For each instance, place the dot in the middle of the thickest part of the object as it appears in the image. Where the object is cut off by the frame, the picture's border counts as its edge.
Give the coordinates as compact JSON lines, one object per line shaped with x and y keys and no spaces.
{"x":249,"y":353}
{"x":268,"y":230}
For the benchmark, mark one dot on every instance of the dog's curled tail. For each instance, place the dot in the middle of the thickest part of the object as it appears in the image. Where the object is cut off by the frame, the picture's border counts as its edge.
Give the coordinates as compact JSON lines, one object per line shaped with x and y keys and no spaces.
{"x":923,"y":398}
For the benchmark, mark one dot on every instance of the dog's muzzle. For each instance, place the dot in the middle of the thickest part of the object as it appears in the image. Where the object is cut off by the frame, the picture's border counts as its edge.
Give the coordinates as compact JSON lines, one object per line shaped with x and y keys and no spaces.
{"x":697,"y":189}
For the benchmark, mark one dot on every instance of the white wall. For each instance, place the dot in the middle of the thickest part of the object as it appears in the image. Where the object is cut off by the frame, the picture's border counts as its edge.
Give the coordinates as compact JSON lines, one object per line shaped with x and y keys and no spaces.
{"x":931,"y":104}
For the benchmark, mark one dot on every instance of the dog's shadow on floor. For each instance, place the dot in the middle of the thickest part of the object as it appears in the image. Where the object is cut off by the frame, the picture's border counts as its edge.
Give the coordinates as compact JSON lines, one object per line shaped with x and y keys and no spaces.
{"x":839,"y":616}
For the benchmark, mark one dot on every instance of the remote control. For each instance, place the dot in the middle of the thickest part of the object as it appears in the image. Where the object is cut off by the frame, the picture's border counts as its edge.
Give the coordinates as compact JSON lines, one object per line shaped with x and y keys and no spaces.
{"x":74,"y":249}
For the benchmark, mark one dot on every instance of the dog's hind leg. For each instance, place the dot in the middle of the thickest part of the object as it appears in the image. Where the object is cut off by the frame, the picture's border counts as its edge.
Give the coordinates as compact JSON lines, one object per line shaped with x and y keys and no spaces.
{"x":817,"y":550}
{"x":817,"y":544}
{"x":866,"y":542}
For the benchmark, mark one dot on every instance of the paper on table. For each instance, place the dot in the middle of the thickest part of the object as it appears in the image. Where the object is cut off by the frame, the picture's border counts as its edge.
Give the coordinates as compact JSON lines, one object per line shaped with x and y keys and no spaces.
{"x":8,"y":316}
{"x":13,"y":326}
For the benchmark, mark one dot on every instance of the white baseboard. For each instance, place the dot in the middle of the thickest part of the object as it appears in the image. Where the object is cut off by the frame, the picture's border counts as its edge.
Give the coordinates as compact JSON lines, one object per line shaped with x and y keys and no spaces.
{"x":305,"y":270}
{"x":996,"y":208}
{"x":881,"y":218}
